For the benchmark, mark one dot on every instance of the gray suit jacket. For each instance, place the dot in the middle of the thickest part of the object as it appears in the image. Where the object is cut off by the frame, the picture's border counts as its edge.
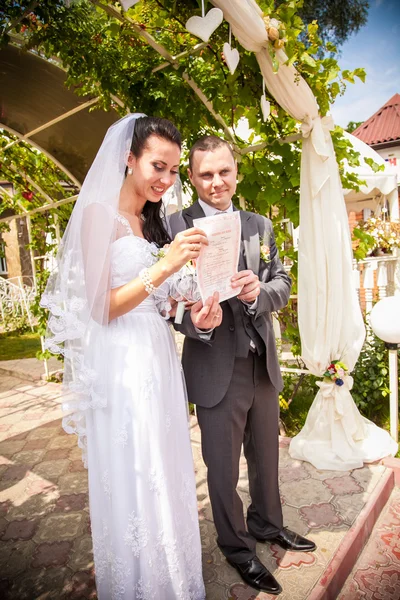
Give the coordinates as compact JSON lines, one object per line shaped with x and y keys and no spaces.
{"x":208,"y":364}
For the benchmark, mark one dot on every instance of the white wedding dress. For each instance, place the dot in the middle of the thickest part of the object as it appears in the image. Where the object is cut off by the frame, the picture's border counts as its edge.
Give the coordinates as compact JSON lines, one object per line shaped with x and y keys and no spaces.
{"x":142,"y":491}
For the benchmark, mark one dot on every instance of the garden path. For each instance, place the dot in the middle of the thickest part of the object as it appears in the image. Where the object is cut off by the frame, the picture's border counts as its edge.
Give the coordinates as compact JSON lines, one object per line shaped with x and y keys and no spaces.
{"x":45,"y":550}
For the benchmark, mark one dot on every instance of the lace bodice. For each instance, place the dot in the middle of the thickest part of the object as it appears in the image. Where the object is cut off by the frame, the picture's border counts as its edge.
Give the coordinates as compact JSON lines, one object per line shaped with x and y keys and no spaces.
{"x":129,"y":255}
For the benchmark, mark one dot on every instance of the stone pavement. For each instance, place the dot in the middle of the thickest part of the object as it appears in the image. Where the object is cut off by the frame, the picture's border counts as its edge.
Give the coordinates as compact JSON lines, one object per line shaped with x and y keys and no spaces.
{"x":29,"y":368}
{"x":45,"y":543}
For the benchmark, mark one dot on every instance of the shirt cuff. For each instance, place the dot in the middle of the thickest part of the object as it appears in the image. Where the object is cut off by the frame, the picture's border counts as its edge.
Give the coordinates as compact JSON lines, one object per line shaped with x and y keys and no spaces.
{"x":204,"y":334}
{"x":251,"y":307}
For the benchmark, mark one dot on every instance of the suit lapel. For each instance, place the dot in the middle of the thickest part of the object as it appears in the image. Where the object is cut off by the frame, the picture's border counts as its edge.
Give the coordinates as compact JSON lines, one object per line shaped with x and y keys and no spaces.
{"x":250,"y":236}
{"x":193,"y":212}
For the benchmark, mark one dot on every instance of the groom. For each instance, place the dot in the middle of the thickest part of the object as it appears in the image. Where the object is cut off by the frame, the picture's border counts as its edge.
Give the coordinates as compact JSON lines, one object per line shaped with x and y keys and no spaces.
{"x":233,"y":376}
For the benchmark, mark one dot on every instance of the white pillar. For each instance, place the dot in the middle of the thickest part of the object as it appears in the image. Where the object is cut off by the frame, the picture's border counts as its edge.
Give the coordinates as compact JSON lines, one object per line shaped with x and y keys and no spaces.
{"x":29,"y":227}
{"x":394,"y":395}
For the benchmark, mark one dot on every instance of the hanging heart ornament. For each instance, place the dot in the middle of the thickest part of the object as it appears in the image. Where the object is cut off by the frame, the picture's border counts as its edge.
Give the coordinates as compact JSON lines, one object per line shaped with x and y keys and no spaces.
{"x":128,"y":3}
{"x":265,"y":107}
{"x":203,"y":27}
{"x":231,"y":57}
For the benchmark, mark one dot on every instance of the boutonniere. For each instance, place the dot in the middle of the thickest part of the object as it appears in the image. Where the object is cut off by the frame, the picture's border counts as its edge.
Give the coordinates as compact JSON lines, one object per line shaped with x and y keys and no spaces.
{"x":265,"y":251}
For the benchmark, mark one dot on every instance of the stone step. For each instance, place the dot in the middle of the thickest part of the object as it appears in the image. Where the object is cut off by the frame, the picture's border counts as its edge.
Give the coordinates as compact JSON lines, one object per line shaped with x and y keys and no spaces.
{"x":376,"y":573}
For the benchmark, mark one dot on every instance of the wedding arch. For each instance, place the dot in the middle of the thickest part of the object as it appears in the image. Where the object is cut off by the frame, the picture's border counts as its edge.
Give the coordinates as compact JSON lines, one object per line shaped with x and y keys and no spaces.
{"x":330,"y":321}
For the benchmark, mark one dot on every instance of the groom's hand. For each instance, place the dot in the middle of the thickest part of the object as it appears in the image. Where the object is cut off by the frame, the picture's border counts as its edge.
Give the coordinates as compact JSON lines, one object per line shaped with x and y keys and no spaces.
{"x":207,"y":316}
{"x":250,"y":284}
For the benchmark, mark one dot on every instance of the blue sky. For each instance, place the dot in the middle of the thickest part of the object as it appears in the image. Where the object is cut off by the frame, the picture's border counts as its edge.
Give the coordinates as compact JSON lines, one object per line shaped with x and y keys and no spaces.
{"x":376,"y":47}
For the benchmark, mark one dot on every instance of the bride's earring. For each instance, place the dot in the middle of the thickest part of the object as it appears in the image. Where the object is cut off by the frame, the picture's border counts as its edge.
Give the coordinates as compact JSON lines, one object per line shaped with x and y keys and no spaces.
{"x":130,"y":171}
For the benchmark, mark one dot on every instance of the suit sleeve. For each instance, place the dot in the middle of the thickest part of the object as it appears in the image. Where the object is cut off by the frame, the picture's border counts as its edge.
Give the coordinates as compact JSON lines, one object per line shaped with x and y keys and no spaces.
{"x":189,"y":330}
{"x":275,"y":282}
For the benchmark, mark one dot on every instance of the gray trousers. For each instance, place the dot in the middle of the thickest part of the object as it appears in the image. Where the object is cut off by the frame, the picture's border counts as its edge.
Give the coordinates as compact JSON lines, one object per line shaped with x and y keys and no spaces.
{"x":249,"y":415}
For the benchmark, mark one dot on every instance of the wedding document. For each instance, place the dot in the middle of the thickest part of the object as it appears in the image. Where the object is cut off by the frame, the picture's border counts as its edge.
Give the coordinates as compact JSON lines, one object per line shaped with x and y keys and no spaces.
{"x":218,"y":261}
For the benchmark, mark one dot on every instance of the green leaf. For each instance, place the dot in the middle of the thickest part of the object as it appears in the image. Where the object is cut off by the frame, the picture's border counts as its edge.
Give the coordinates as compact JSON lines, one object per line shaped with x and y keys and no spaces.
{"x":360,"y":73}
{"x":308,"y":60}
{"x":374,"y":166}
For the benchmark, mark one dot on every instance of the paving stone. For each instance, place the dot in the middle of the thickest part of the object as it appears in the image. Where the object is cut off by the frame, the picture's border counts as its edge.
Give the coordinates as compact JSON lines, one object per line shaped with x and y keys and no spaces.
{"x":29,"y":457}
{"x":42,"y":433}
{"x":14,"y":472}
{"x":81,"y":586}
{"x":71,"y":502}
{"x":60,"y":526}
{"x":20,"y":530}
{"x":62,"y":441}
{"x":56,"y":454}
{"x":320,"y":515}
{"x":301,"y":493}
{"x":4,"y":508}
{"x":36,"y":506}
{"x":37,"y":444}
{"x":51,"y":554}
{"x":76,"y":465}
{"x":14,"y":491}
{"x":81,"y":558}
{"x":37,"y":485}
{"x":40,"y":584}
{"x":73,"y":483}
{"x":9,"y":447}
{"x":51,"y":469}
{"x":15,"y":558}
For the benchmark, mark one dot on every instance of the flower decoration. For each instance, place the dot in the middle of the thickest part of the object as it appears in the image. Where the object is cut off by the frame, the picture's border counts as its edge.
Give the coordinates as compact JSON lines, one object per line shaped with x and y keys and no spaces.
{"x":336,"y":372}
{"x":276,"y":32}
{"x":161,"y":253}
{"x":265,"y":251}
{"x":385,"y":233}
{"x":184,"y":282}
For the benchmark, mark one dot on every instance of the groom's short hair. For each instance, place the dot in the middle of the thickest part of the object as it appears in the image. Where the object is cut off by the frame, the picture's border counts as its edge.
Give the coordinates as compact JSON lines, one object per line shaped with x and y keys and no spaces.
{"x":208,"y":143}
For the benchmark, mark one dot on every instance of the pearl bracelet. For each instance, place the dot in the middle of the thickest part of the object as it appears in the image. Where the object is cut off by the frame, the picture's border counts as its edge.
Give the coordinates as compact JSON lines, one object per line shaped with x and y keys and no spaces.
{"x":147,"y":281}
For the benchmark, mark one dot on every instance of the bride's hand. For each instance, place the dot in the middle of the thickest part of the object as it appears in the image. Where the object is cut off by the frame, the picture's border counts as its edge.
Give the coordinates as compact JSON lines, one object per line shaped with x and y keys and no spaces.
{"x":186,"y":246}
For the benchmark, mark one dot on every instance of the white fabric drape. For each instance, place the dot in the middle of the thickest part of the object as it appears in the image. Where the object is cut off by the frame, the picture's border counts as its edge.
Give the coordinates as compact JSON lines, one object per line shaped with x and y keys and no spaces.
{"x":377,"y":187}
{"x":330,"y":320}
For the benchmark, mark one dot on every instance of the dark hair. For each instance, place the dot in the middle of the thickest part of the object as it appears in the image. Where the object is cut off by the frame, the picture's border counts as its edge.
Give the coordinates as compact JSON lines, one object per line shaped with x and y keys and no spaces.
{"x":153,"y":227}
{"x":207,"y":143}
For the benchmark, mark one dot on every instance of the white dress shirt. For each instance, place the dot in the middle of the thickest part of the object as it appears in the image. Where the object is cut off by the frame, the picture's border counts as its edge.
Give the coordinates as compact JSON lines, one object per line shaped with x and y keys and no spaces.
{"x":210,"y":211}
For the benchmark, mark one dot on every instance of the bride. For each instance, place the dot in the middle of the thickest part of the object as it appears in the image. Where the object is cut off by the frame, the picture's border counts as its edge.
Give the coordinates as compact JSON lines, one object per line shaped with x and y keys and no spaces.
{"x":125,"y":393}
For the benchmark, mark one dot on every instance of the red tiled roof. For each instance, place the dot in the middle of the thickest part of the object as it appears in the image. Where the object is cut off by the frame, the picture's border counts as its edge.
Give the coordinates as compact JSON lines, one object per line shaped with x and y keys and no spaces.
{"x":383,"y":126}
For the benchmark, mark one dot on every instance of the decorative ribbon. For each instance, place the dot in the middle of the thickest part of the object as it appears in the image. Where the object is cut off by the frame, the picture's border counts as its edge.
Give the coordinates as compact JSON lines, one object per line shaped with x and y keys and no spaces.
{"x":319,"y":129}
{"x":332,"y":393}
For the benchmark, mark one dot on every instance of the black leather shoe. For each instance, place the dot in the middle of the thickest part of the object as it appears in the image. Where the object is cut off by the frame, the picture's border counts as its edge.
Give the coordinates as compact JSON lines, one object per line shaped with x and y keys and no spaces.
{"x":255,"y":574}
{"x":289,"y":540}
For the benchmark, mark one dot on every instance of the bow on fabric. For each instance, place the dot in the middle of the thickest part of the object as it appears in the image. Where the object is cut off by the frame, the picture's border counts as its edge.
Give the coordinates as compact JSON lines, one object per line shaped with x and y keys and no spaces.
{"x":333,"y":393}
{"x":319,"y":128}
{"x":318,"y":155}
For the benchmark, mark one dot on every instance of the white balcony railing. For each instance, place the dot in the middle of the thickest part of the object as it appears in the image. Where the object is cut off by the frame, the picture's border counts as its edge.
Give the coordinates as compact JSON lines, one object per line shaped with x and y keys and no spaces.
{"x":16,"y":297}
{"x":375,"y":278}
